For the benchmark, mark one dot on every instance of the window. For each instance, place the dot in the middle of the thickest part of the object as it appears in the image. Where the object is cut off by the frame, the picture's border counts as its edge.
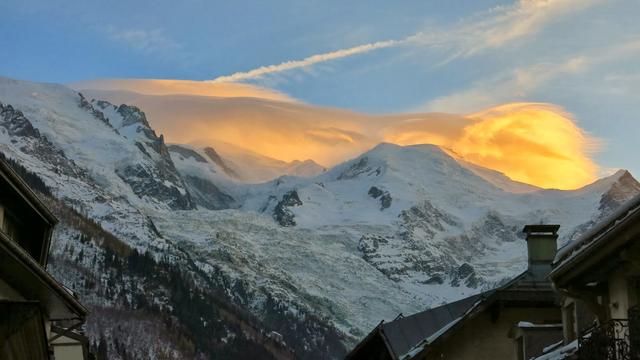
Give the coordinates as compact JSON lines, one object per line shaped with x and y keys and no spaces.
{"x":8,"y":224}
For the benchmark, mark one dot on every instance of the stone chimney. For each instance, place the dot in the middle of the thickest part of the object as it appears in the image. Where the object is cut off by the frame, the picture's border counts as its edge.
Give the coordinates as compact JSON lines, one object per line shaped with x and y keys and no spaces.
{"x":541,"y":246}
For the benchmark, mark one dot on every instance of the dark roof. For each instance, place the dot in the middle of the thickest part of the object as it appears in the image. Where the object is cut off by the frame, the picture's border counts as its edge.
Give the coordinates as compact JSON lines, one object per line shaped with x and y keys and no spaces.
{"x":33,"y":282}
{"x":598,"y":233}
{"x":527,"y":289}
{"x":424,"y":328}
{"x":404,"y":333}
{"x":7,"y":172}
{"x":23,"y":196}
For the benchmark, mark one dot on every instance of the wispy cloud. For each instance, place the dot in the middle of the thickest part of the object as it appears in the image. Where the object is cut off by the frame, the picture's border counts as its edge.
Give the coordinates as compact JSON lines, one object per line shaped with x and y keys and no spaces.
{"x":143,"y":40}
{"x":495,"y":28}
{"x":308,"y":61}
{"x":513,"y":85}
{"x":520,"y":83}
{"x":505,"y":24}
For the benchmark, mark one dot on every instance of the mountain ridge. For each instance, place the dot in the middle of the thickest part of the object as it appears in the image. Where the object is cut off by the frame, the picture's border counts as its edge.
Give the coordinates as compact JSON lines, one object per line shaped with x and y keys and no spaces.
{"x":393,"y":230}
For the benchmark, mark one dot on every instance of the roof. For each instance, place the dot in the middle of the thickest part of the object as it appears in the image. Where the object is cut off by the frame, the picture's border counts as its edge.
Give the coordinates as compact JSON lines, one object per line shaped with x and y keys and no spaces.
{"x":402,"y":334}
{"x":25,"y":274}
{"x":33,"y":282}
{"x":528,"y":288}
{"x":24,"y":196}
{"x":590,"y":241}
{"x":408,"y":336}
{"x":7,"y":172}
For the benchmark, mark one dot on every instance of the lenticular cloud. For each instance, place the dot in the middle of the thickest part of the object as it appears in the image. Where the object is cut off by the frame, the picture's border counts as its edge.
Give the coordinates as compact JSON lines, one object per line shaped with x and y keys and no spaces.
{"x":535,"y":143}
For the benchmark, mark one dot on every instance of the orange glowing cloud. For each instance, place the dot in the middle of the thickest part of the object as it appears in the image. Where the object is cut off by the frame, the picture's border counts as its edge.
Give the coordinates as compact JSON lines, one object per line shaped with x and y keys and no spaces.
{"x":534,"y":143}
{"x":539,"y":144}
{"x":183,"y":87}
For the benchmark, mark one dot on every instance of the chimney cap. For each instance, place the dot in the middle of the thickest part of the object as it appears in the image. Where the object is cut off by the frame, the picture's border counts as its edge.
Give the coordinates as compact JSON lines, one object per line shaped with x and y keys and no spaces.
{"x":541,"y":229}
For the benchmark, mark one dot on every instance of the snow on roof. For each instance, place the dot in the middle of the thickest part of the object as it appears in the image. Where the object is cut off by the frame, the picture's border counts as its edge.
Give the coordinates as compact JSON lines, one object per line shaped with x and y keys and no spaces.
{"x":596,"y":233}
{"x":404,"y":333}
{"x":561,"y":353}
{"x":526,"y":324}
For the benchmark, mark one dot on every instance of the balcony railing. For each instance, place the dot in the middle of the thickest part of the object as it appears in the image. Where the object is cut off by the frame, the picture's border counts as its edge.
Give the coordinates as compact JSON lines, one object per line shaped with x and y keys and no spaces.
{"x":606,"y":341}
{"x":617,"y":339}
{"x":634,"y":332}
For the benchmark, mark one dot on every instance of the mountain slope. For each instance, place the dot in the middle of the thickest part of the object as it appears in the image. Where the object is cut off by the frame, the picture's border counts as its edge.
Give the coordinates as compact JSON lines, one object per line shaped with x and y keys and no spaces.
{"x":426,"y":221}
{"x":51,"y":132}
{"x":318,"y":259}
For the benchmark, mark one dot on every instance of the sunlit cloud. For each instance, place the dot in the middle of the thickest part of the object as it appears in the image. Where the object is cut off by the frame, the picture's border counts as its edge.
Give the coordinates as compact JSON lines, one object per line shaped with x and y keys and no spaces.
{"x":183,"y":87}
{"x":495,"y":28}
{"x":534,"y":143}
{"x":531,"y":143}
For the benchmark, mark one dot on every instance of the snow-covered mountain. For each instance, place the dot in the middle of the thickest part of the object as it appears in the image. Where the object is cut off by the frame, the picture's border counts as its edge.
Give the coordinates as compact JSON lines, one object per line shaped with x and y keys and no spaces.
{"x":242,"y":165}
{"x":320,"y":258}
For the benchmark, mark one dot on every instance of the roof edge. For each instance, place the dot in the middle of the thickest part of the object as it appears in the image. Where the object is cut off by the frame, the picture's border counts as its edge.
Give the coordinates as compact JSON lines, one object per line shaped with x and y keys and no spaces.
{"x":26,"y":192}
{"x":21,"y":256}
{"x":597,"y":230}
{"x":596,"y":237}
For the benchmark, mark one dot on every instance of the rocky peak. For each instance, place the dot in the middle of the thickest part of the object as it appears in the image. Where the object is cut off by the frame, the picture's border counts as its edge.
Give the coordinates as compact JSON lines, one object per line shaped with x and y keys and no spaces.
{"x":362,"y":166}
{"x":621,"y":191}
{"x":32,"y":142}
{"x":281,"y":213}
{"x":187,"y":153}
{"x":383,"y":196}
{"x":217,"y":159}
{"x":157,"y":178}
{"x":86,"y":105}
{"x":16,"y":124}
{"x":132,"y":115}
{"x":102,"y":104}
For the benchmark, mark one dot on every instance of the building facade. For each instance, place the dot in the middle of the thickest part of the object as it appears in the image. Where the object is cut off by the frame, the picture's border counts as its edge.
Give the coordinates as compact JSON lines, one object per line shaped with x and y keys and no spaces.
{"x":598,"y":277}
{"x":37,"y":313}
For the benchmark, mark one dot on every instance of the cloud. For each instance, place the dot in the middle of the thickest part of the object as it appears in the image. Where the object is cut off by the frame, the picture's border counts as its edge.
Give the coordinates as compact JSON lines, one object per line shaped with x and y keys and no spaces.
{"x":306,"y":62}
{"x":146,"y":41}
{"x":530,"y":142}
{"x":505,"y":24}
{"x":507,"y":86}
{"x":522,"y":82}
{"x":534,"y":143}
{"x":495,"y":28}
{"x":183,"y":87}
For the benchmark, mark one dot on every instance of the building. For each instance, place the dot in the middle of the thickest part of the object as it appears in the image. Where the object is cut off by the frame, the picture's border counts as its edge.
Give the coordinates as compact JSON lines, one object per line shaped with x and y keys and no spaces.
{"x":598,"y":276}
{"x":37,"y":313}
{"x":514,"y":321}
{"x":391,"y":340}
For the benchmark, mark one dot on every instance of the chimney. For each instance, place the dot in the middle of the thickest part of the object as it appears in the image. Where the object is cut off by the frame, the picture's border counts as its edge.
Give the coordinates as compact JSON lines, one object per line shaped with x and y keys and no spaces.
{"x":541,"y":246}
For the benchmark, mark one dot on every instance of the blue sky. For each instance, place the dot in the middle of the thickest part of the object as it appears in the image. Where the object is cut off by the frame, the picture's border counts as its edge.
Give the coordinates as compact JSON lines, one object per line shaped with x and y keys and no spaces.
{"x":451,"y":56}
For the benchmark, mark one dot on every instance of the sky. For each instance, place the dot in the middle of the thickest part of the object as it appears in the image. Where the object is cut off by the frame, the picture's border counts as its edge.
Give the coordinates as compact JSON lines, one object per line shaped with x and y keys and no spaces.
{"x":377,"y":57}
